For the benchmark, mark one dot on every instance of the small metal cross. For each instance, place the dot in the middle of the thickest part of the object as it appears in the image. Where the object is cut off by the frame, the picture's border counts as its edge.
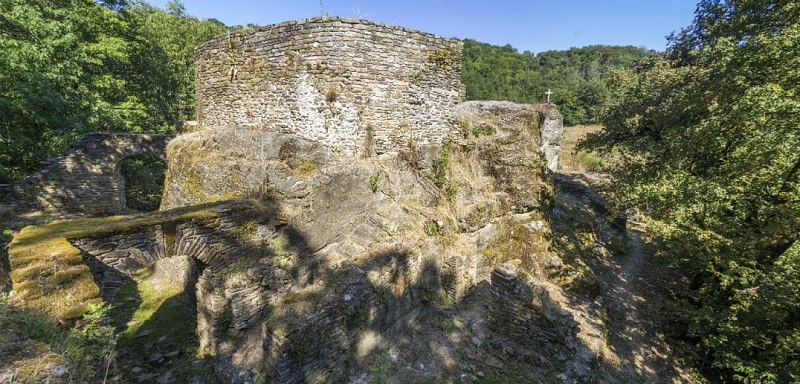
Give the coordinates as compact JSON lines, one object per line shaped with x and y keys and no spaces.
{"x":548,"y":93}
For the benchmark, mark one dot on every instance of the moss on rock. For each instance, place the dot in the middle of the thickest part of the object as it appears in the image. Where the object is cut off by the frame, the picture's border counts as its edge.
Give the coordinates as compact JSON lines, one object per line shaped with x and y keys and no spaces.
{"x":48,"y":272}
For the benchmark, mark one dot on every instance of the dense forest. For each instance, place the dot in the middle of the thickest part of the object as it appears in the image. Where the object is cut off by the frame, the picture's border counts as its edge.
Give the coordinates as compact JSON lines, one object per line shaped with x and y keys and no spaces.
{"x":75,"y":66}
{"x":576,"y":76}
{"x":707,"y":142}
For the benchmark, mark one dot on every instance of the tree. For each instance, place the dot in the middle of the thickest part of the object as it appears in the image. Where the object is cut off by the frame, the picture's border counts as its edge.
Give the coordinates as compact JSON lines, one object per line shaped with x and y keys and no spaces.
{"x":75,"y":66}
{"x":168,"y":40}
{"x":709,"y":143}
{"x":54,"y":60}
{"x":575,"y":76}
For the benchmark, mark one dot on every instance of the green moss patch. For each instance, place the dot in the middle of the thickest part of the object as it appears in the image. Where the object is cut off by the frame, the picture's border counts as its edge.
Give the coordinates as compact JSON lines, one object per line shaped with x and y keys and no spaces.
{"x":516,"y":242}
{"x":156,"y":332}
{"x":49,"y":274}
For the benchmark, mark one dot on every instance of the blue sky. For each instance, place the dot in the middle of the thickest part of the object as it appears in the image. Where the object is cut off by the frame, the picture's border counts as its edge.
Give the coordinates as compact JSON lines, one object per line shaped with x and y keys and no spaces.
{"x":533,"y":25}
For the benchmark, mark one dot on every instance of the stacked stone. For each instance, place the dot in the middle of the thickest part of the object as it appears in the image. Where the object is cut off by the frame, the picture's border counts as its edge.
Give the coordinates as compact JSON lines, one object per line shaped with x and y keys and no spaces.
{"x":86,"y":179}
{"x":515,"y":312}
{"x":114,"y":259}
{"x":213,"y":242}
{"x":338,"y":81}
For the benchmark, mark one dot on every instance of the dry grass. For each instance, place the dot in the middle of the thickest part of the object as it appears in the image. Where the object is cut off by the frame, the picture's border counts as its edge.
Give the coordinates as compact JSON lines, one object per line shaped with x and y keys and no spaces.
{"x":581,"y":161}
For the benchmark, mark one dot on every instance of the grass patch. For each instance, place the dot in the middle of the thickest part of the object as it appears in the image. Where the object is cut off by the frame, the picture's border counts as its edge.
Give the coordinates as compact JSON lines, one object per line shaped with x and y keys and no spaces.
{"x":32,"y":340}
{"x":306,"y":168}
{"x":157,"y":319}
{"x":144,"y":182}
{"x":379,"y":369}
{"x":373,"y":182}
{"x":247,"y":229}
{"x":518,"y":242}
{"x":579,"y":161}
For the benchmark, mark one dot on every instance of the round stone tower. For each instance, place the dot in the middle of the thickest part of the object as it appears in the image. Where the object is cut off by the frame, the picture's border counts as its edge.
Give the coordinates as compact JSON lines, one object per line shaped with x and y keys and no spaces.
{"x":356,"y":86}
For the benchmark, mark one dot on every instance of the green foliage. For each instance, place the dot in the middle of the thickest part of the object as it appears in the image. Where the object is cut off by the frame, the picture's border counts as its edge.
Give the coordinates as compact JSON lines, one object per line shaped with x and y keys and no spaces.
{"x":144,"y":182}
{"x":431,"y":228}
{"x":223,"y":321}
{"x":589,"y":161}
{"x":428,"y":296}
{"x":76,"y":66}
{"x":380,"y":370}
{"x":90,"y":343}
{"x":392,"y":228}
{"x":260,"y":374}
{"x":477,"y":131}
{"x":439,"y":171}
{"x":246,"y":229}
{"x":169,"y":40}
{"x":87,"y":347}
{"x":444,"y":59}
{"x":576,"y":76}
{"x":373,"y":182}
{"x":306,"y":168}
{"x":463,"y":125}
{"x":473,"y":372}
{"x":440,"y":167}
{"x":708,"y":139}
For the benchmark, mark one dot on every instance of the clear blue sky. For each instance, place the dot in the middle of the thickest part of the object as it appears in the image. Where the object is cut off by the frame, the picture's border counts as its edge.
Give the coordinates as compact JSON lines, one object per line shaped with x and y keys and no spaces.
{"x":533,"y":25}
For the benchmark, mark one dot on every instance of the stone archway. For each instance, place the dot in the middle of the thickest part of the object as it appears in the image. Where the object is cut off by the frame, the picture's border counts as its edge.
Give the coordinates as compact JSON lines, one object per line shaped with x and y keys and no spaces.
{"x":85,"y":180}
{"x":142,"y":178}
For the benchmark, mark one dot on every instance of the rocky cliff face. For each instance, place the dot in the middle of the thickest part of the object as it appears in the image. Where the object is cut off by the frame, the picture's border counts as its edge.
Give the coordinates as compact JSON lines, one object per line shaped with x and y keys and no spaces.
{"x":484,"y":116}
{"x":368,"y":245}
{"x":316,"y":266}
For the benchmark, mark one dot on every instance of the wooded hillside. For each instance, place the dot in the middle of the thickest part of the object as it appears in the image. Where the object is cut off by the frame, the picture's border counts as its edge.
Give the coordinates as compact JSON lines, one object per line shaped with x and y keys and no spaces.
{"x":576,"y":76}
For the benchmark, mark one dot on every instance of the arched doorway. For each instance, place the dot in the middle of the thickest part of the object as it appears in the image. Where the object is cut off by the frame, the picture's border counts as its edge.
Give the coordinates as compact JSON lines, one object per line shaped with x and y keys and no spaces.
{"x":143,"y":176}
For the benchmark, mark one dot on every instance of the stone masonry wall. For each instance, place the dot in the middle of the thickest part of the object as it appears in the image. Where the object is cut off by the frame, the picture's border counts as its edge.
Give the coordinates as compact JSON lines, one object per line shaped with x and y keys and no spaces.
{"x":262,"y":297}
{"x":86,"y":179}
{"x":114,"y":258}
{"x":524,"y":311}
{"x":354,"y":85}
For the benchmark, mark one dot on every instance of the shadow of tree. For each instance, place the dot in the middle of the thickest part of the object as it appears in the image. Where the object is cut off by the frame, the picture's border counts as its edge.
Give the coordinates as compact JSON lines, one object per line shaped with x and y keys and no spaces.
{"x":323,"y":323}
{"x":627,"y":290}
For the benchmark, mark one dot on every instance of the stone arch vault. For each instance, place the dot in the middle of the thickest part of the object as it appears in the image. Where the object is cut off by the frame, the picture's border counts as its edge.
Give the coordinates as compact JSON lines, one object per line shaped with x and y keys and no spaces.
{"x":86,"y":179}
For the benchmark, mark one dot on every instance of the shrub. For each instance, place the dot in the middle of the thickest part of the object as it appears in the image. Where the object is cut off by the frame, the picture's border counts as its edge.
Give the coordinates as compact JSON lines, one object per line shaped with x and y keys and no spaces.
{"x":306,"y":168}
{"x":373,"y":182}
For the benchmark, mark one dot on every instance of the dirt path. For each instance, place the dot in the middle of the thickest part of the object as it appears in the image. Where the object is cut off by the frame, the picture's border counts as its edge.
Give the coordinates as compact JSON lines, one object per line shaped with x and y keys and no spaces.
{"x":636,"y":296}
{"x":638,"y":314}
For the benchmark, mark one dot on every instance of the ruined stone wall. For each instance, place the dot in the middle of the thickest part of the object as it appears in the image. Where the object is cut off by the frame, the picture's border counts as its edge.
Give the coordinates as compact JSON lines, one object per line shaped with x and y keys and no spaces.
{"x":524,"y":311}
{"x":354,"y":85}
{"x":115,"y":258}
{"x":262,"y":299}
{"x":86,"y":179}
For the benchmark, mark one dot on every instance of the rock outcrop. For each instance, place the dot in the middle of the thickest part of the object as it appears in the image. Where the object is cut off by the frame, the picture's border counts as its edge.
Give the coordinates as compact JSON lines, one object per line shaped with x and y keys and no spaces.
{"x":301,"y":261}
{"x":545,"y":118}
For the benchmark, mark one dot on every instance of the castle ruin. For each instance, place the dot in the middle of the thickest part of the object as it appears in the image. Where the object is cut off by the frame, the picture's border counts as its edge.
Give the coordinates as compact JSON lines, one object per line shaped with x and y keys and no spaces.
{"x":357,"y":86}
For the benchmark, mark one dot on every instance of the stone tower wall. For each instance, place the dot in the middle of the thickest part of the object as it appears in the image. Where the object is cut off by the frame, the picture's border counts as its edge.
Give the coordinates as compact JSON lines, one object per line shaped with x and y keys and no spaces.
{"x":354,"y":85}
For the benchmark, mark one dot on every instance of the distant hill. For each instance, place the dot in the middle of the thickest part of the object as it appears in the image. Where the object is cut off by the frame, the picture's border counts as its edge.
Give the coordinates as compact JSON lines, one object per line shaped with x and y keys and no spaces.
{"x":576,"y":76}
